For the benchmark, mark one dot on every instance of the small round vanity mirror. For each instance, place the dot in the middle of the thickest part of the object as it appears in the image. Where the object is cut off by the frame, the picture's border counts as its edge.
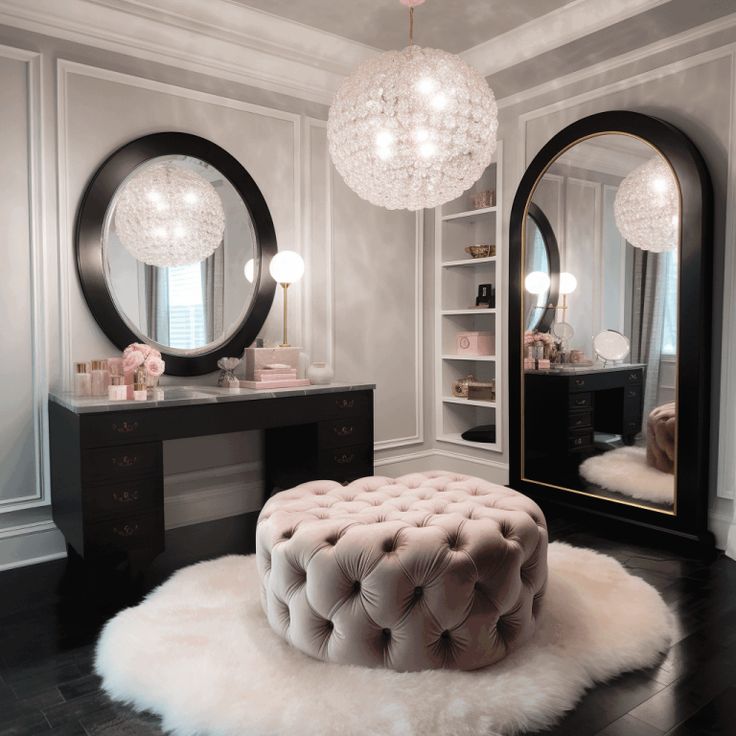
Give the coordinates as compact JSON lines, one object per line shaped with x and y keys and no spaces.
{"x":611,"y":346}
{"x":174,"y":241}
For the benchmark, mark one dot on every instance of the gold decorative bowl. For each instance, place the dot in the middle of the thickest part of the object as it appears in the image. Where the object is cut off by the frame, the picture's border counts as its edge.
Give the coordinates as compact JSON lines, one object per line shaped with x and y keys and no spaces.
{"x":481,"y":250}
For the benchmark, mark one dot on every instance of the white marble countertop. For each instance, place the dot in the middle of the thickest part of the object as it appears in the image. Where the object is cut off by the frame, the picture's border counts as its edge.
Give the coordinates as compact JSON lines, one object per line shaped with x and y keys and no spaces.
{"x":573,"y":369}
{"x":192,"y":395}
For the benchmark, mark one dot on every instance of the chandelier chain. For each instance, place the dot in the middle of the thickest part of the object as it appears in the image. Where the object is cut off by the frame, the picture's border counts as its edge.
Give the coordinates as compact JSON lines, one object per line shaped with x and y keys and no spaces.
{"x":411,"y":26}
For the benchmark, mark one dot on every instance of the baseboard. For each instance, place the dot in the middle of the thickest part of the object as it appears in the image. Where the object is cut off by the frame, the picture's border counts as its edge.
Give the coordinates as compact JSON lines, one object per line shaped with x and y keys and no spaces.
{"x":30,"y":544}
{"x":214,"y":493}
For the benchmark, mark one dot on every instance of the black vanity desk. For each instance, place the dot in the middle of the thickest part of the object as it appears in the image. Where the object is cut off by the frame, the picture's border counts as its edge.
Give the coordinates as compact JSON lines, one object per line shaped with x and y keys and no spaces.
{"x":107,"y":472}
{"x":565,"y":407}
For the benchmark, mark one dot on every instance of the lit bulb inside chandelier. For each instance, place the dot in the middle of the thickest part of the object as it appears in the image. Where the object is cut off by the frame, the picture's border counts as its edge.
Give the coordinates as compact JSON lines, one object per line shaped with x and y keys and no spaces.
{"x":168,"y":215}
{"x":412,"y":129}
{"x":646,"y":207}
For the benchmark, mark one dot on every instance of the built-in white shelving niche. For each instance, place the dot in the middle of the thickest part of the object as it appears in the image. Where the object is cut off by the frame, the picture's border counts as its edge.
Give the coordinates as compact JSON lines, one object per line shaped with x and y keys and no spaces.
{"x":457,"y":278}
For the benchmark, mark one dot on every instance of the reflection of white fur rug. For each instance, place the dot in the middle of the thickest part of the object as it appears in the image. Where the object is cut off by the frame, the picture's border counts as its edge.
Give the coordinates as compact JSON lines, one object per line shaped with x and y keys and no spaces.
{"x":626,"y":471}
{"x":199,"y":652}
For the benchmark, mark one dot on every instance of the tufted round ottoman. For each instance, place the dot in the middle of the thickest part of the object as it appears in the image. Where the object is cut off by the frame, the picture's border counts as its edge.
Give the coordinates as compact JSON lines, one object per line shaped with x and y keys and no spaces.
{"x":424,"y":571}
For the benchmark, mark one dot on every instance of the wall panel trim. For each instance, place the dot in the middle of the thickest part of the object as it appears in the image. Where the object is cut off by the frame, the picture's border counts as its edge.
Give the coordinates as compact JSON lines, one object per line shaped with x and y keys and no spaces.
{"x":36,"y":263}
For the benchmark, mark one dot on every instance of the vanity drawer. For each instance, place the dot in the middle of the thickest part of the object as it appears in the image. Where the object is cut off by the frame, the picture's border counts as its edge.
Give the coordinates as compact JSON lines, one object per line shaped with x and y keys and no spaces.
{"x":580,"y":440}
{"x":580,"y":401}
{"x":580,"y":420}
{"x":123,"y":499}
{"x":118,"y":464}
{"x":336,"y":406}
{"x":117,"y":428}
{"x":346,"y":462}
{"x":632,"y":426}
{"x":144,"y":531}
{"x":342,"y":432}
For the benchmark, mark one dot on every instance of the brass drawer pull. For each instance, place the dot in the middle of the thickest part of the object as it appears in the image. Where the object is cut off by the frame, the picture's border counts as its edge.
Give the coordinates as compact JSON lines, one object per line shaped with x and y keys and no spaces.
{"x":345,"y":403}
{"x":125,"y":496}
{"x":127,"y":530}
{"x":580,"y":382}
{"x":125,"y":427}
{"x":634,"y":377}
{"x":345,"y":458}
{"x":126,"y":461}
{"x":344,"y":431}
{"x":632,"y":394}
{"x":581,"y":402}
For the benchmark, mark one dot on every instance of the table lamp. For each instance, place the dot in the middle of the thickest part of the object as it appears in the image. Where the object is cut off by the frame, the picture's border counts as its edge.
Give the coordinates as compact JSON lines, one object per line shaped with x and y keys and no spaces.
{"x":287,"y":267}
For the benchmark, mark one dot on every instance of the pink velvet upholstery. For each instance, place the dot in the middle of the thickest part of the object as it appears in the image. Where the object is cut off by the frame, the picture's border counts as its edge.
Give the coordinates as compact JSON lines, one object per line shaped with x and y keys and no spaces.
{"x":424,"y":571}
{"x":662,"y":437}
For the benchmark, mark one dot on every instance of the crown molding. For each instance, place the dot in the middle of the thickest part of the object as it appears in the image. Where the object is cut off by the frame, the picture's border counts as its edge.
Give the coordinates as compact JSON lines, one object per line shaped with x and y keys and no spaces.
{"x":548,"y":32}
{"x":219,"y":38}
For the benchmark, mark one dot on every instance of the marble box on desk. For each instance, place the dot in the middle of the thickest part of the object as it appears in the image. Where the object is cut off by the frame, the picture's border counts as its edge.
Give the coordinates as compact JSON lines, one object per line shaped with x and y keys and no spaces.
{"x":257,"y":375}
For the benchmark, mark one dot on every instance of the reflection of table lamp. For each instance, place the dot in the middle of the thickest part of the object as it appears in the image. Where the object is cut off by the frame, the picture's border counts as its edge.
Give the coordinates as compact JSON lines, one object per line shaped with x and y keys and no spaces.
{"x":249,"y":270}
{"x":563,"y":330}
{"x":286,"y":267}
{"x":568,"y":284}
{"x":537,"y":283}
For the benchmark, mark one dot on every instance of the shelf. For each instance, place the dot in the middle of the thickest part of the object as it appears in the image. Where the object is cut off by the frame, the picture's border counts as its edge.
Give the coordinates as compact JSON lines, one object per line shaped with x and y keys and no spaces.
{"x":468,"y":214}
{"x":453,"y":312}
{"x":456,"y":439}
{"x":469,"y":402}
{"x":469,"y":262}
{"x":472,"y":358}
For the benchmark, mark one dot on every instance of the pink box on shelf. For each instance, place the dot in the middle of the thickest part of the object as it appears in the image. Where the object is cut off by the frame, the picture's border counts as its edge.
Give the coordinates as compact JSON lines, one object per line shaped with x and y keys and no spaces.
{"x":474,"y":343}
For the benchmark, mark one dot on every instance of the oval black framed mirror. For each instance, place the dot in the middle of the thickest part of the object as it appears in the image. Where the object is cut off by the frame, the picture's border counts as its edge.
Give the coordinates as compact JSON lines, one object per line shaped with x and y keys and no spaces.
{"x":542,"y":271}
{"x":173,"y":243}
{"x":609,"y":412}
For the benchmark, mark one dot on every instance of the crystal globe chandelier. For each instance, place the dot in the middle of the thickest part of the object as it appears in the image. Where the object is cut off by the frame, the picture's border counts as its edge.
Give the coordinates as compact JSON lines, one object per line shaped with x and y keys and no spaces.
{"x":414,"y":128}
{"x":168,"y":215}
{"x":647,"y":205}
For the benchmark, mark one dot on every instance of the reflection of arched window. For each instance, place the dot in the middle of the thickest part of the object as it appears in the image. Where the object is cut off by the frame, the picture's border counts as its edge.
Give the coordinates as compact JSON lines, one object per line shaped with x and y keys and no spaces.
{"x":669,"y":328}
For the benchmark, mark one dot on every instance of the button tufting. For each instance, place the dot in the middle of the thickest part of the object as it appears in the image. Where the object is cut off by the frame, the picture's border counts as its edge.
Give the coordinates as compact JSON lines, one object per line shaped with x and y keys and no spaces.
{"x":356,"y":586}
{"x":389,"y":545}
{"x":418,"y":591}
{"x":445,"y":635}
{"x":288,"y":534}
{"x":332,"y":540}
{"x":386,"y":633}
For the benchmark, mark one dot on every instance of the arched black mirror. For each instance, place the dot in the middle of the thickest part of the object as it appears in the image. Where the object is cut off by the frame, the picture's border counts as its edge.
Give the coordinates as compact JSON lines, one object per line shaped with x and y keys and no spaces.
{"x":542,"y":271}
{"x":610,"y":410}
{"x":174,"y":240}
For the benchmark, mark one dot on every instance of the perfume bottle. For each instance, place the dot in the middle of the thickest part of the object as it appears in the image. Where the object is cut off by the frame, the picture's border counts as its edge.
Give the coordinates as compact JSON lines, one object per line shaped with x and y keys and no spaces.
{"x":140,"y":390}
{"x":82,"y":380}
{"x":100,"y":377}
{"x":117,"y":390}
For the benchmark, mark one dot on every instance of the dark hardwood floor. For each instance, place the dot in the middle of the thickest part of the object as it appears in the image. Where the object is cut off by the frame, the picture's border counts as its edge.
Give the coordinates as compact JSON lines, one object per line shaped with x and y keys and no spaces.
{"x":51,"y":613}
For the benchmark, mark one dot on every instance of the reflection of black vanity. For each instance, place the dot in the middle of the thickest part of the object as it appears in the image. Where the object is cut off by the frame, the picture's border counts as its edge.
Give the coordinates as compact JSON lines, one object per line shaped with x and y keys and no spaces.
{"x":564,"y":408}
{"x":107,"y":459}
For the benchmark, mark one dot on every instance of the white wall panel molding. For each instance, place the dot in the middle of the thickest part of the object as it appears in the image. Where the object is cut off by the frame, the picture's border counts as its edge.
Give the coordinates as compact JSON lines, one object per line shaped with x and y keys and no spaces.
{"x":67,"y":269}
{"x":726,"y":482}
{"x":218,"y":38}
{"x":418,"y":437}
{"x":39,"y":484}
{"x":559,"y":84}
{"x":568,"y":23}
{"x":314,"y":242}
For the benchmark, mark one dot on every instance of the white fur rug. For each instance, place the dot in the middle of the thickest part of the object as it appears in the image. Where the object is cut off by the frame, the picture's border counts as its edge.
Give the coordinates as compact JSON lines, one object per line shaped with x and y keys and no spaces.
{"x":626,"y":471}
{"x":199,"y":652}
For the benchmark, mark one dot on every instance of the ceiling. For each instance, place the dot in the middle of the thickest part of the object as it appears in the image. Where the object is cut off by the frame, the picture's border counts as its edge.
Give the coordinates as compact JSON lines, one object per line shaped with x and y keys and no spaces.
{"x":453,"y":25}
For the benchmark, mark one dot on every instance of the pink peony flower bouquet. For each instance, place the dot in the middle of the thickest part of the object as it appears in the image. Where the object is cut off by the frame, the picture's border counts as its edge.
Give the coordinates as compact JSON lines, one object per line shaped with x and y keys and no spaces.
{"x":139,"y":355}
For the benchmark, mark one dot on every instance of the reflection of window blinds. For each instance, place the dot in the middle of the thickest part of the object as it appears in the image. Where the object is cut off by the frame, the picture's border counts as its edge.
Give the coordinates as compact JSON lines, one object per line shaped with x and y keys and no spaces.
{"x":186,"y":311}
{"x":669,"y":329}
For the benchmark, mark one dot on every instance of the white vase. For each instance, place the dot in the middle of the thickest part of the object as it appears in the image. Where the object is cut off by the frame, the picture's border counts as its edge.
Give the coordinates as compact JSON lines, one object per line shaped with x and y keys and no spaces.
{"x":320,"y":374}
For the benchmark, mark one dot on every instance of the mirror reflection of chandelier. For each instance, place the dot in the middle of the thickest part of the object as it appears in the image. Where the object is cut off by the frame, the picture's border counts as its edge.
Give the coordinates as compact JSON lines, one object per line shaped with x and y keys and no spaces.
{"x":168,"y":215}
{"x":412,"y":129}
{"x":647,"y":205}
